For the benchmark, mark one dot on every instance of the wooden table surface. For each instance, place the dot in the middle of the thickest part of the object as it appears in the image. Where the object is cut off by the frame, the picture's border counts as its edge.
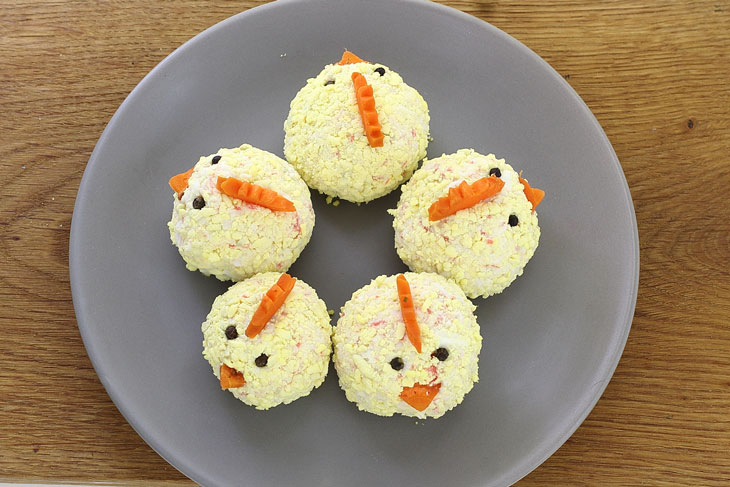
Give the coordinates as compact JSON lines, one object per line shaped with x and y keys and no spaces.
{"x":655,"y":74}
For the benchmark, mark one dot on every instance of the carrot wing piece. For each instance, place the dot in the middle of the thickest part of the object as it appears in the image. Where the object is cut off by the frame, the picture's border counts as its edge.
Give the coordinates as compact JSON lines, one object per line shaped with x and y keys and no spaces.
{"x":368,"y":113}
{"x":270,"y":303}
{"x":464,"y":196}
{"x":254,"y":194}
{"x":408,"y":310}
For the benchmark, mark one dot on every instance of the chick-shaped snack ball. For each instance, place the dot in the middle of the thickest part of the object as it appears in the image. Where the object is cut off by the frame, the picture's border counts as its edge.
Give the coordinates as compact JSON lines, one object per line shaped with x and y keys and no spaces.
{"x":407,"y":344}
{"x":232,"y":230}
{"x":268,"y":340}
{"x":480,"y":234}
{"x":356,"y":131}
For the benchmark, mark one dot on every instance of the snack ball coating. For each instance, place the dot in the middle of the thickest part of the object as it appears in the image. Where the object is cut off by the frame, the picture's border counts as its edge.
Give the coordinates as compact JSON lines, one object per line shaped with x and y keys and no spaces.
{"x":232,"y":239}
{"x":370,"y":335}
{"x":296,"y":342}
{"x":482,"y":248}
{"x":325,"y":139}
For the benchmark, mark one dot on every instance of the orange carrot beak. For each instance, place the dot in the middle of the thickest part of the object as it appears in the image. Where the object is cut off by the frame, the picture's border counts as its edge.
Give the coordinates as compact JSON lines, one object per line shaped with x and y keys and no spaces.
{"x":231,"y":377}
{"x":420,"y":396}
{"x":366,"y":106}
{"x":533,"y":195}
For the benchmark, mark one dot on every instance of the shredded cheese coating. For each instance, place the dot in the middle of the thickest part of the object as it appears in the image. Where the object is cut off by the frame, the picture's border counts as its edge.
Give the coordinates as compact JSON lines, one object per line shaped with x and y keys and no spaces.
{"x":232,"y":239}
{"x":297,"y":341}
{"x":326,"y":142}
{"x":476,"y":247}
{"x":371,"y":332}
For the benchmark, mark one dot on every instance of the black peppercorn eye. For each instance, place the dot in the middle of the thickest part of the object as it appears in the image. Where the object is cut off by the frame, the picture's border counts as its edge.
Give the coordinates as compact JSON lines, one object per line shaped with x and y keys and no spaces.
{"x":513,"y":220}
{"x":397,"y":363}
{"x":495,"y":172}
{"x":199,"y":203}
{"x":215,"y":159}
{"x":231,"y":333}
{"x":380,"y":71}
{"x":329,"y":82}
{"x":440,"y":353}
{"x":262,"y":360}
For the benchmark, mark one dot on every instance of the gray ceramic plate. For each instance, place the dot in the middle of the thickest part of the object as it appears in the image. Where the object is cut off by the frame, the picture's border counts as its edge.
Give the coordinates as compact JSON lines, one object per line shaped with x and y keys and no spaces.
{"x":551,"y":340}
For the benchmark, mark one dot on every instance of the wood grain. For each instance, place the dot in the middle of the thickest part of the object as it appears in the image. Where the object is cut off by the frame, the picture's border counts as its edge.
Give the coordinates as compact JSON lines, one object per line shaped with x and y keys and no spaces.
{"x":655,"y":74}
